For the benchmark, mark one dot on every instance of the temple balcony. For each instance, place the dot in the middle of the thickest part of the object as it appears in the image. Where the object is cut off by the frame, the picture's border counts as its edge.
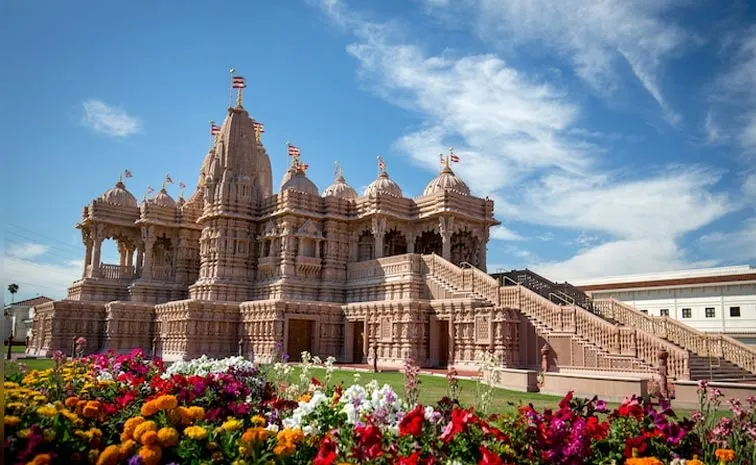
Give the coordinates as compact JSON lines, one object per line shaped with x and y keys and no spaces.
{"x":111,"y":272}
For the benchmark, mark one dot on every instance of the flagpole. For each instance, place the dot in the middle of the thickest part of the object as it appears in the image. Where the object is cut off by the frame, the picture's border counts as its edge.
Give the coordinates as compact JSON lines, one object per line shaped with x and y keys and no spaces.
{"x":231,"y":87}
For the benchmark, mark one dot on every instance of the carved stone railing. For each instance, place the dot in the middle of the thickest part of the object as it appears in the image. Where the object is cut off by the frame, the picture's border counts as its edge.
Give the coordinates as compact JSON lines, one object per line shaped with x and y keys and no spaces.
{"x":699,"y":343}
{"x":115,"y":272}
{"x":613,"y":339}
{"x":396,"y":265}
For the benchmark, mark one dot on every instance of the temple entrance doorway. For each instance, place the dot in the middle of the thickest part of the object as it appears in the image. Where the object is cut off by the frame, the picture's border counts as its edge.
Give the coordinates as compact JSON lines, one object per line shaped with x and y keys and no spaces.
{"x":443,"y":343}
{"x":429,"y":242}
{"x":299,"y":338}
{"x":358,"y":341}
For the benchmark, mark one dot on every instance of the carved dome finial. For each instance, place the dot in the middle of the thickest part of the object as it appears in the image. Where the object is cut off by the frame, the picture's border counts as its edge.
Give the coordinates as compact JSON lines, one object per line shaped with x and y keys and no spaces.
{"x":340,"y":188}
{"x":383,"y":183}
{"x":446,"y":179}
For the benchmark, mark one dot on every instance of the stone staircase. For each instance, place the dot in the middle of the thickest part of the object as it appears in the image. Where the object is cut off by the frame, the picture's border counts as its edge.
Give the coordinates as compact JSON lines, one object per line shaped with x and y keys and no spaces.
{"x":612,"y":336}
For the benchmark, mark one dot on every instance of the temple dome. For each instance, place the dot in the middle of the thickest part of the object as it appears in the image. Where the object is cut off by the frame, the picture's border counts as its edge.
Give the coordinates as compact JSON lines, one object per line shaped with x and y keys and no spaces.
{"x":296,"y":179}
{"x":120,"y":196}
{"x":340,"y":189}
{"x":384,"y":185}
{"x":446,"y":181}
{"x":163,"y":199}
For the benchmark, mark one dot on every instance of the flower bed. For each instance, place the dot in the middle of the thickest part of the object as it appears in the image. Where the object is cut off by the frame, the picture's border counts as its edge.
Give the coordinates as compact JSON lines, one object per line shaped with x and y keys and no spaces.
{"x":113,"y":409}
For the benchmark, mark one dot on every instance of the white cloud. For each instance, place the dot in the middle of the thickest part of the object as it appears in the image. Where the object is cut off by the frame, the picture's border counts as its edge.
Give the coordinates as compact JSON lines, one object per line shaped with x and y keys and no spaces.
{"x":595,"y":36}
{"x":26,"y":251}
{"x":738,"y":245}
{"x":619,"y":258}
{"x":749,"y":188}
{"x":503,"y":234}
{"x":35,"y":277}
{"x":109,"y":120}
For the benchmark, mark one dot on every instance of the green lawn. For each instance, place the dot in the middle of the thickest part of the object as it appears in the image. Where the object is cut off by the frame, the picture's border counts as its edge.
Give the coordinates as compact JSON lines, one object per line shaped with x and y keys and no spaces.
{"x":14,"y":349}
{"x":31,"y":363}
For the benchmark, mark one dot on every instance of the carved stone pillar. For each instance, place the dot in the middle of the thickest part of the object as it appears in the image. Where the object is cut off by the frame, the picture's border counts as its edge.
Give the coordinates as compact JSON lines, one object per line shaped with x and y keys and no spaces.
{"x":98,"y":238}
{"x":482,"y":246}
{"x":148,"y":237}
{"x":122,"y":251}
{"x":663,"y":371}
{"x":130,"y":257}
{"x":445,"y":226}
{"x":88,"y":254}
{"x":379,"y":231}
{"x":139,"y":259}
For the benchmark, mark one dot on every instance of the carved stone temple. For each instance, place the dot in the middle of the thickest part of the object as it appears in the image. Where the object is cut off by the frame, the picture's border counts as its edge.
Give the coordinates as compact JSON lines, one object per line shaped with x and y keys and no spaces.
{"x":240,"y":268}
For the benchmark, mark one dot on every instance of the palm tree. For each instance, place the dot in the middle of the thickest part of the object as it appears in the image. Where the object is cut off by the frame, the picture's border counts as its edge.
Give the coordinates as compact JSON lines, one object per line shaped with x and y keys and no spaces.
{"x":13,"y":288}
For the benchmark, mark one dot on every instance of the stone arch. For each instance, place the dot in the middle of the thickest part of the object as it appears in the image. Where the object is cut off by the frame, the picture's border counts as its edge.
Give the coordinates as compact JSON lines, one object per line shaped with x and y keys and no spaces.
{"x":395,"y":243}
{"x":429,"y":242}
{"x":365,"y":246}
{"x":464,"y":247}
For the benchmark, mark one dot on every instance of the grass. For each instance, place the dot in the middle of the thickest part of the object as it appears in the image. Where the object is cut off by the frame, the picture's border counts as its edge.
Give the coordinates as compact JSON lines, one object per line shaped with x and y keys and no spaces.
{"x":31,"y":363}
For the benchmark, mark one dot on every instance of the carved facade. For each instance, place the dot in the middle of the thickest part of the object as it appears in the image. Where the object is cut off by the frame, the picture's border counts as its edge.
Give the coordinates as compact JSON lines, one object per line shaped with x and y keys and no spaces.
{"x":237,"y":266}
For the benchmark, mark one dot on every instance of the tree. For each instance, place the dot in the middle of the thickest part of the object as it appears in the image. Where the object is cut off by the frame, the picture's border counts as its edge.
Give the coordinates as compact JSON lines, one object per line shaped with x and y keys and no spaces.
{"x":13,"y":288}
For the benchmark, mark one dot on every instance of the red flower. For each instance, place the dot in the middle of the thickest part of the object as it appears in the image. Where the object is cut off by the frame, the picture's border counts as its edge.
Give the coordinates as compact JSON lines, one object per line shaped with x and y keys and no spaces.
{"x":638,"y":442}
{"x":315,"y":381}
{"x":565,"y":402}
{"x":326,"y":453}
{"x":368,"y":442}
{"x":413,"y":459}
{"x":459,"y":420}
{"x":597,"y":431}
{"x":489,"y":458}
{"x":412,"y":423}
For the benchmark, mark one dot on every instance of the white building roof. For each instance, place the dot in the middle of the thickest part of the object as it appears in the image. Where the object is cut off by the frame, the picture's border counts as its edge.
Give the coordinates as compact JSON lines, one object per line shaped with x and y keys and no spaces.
{"x":666,"y":275}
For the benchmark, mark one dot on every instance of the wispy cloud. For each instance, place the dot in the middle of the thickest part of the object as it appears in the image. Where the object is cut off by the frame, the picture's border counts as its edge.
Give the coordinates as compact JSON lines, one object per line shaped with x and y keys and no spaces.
{"x":598,"y":38}
{"x":523,"y":141}
{"x":737,"y":245}
{"x":26,"y":250}
{"x":109,"y":120}
{"x":503,"y":234}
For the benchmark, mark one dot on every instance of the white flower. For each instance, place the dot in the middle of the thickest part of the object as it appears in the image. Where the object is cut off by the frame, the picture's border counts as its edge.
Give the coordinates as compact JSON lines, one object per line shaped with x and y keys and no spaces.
{"x":105,"y":376}
{"x":273,"y":428}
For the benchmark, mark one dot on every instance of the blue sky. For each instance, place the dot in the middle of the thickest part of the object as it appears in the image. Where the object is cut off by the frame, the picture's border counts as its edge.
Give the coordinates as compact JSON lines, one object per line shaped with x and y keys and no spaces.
{"x":613,"y":139}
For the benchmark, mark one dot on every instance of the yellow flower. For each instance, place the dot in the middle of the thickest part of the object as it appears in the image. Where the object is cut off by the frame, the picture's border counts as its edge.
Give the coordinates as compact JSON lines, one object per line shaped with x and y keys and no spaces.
{"x":92,"y":455}
{"x":231,"y":424}
{"x":149,"y":438}
{"x":150,"y":455}
{"x":694,"y":461}
{"x":8,"y":385}
{"x":15,"y":406}
{"x":725,"y":455}
{"x":143,"y":428}
{"x":24,"y":433}
{"x":47,"y":411}
{"x":11,"y":420}
{"x":306,"y":397}
{"x":258,"y":420}
{"x":244,"y":451}
{"x":166,"y":402}
{"x":49,"y":435}
{"x":196,"y":432}
{"x":168,"y":437}
{"x":72,"y":417}
{"x":110,"y":456}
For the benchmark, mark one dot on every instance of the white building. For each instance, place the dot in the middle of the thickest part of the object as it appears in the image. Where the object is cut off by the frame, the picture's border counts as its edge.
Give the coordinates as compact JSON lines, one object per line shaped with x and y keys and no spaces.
{"x":18,"y":317}
{"x":708,"y":299}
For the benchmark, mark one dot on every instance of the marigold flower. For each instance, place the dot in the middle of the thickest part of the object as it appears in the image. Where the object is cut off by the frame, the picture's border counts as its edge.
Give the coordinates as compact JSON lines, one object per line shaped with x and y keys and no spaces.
{"x":91,"y":409}
{"x":197,"y":413}
{"x":166,"y":402}
{"x":15,"y":406}
{"x":72,"y":417}
{"x":110,"y":456}
{"x":143,"y":428}
{"x":255,"y":434}
{"x":150,"y":455}
{"x":244,"y":451}
{"x":306,"y":397}
{"x":41,"y":459}
{"x":11,"y":420}
{"x":49,"y":435}
{"x":47,"y":411}
{"x":195,"y":432}
{"x":168,"y":437}
{"x":149,"y":408}
{"x":127,"y":447}
{"x":725,"y":455}
{"x":694,"y":461}
{"x":149,"y":438}
{"x":24,"y":433}
{"x":258,"y":420}
{"x":72,"y":402}
{"x":130,"y":425}
{"x":231,"y":424}
{"x":643,"y":461}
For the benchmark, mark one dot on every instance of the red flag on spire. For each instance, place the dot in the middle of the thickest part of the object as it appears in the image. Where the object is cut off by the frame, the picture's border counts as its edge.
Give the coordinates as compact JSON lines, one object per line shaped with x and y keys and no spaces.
{"x":381,"y":165}
{"x":294,"y":151}
{"x":182,"y":185}
{"x":455,"y":158}
{"x":168,"y":179}
{"x":238,"y":82}
{"x":259,"y":127}
{"x":127,"y":173}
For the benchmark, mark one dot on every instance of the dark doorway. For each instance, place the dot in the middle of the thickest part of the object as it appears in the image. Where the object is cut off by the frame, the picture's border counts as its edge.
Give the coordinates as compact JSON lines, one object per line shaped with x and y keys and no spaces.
{"x":429,"y":242}
{"x":443,"y":343}
{"x":300,"y":338}
{"x":358,"y":341}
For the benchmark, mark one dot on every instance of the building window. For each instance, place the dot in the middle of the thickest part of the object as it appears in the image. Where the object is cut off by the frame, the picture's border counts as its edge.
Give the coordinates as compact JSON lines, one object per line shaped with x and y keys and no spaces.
{"x":710,"y":313}
{"x":735,"y":312}
{"x":644,"y":311}
{"x":686,"y":313}
{"x":664,"y":312}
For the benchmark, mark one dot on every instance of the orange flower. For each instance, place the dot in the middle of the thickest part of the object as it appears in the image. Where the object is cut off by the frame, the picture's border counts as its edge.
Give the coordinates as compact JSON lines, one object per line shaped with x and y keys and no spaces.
{"x":127,"y":447}
{"x":196,"y":413}
{"x":131,"y":424}
{"x":41,"y":459}
{"x":258,"y":420}
{"x":149,"y":408}
{"x":72,"y":402}
{"x":725,"y":455}
{"x":143,"y":428}
{"x":168,"y":437}
{"x":150,"y":455}
{"x":110,"y":456}
{"x":166,"y":402}
{"x":254,"y":435}
{"x":149,"y":438}
{"x":91,"y":409}
{"x":306,"y":397}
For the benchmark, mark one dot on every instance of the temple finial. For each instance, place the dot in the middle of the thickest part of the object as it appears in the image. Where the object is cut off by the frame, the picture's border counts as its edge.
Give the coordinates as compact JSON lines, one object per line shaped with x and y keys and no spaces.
{"x":336,"y":170}
{"x":182,"y":186}
{"x":238,"y":83}
{"x":381,"y":164}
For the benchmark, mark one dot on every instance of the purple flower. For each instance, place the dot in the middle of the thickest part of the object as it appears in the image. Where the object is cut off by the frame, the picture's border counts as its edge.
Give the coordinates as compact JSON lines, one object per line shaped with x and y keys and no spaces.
{"x":135,"y":460}
{"x":601,"y":406}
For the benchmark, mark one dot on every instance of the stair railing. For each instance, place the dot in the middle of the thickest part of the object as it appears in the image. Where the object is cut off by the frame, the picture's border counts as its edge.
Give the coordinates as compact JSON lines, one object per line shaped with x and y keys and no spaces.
{"x":718,"y":346}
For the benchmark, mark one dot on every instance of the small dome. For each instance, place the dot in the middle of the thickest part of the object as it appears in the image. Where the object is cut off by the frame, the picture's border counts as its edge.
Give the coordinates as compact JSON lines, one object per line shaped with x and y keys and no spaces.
{"x":384,"y":185}
{"x":118,"y":195}
{"x":446,"y":181}
{"x":163,"y":199}
{"x":296,"y":179}
{"x":340,"y":189}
